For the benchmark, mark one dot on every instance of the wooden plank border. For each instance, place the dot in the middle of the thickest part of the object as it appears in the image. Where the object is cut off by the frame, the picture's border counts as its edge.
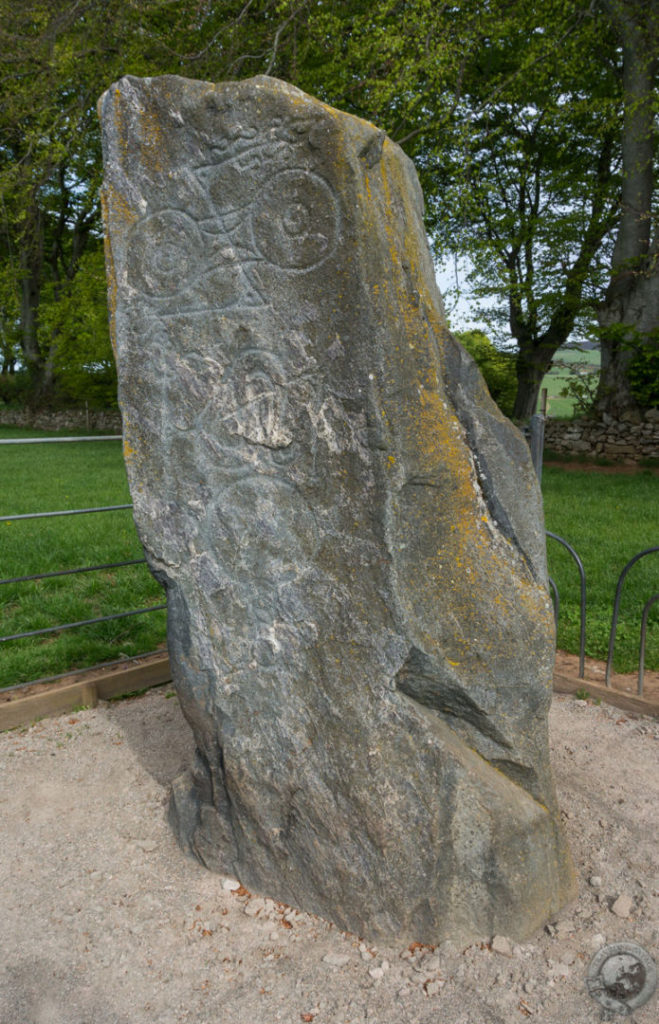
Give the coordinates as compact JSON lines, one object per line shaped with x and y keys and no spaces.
{"x":22,"y":707}
{"x":625,"y":701}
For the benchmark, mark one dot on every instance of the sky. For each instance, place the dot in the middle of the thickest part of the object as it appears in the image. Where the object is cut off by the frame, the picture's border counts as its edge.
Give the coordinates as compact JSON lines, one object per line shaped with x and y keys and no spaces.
{"x":451,"y":277}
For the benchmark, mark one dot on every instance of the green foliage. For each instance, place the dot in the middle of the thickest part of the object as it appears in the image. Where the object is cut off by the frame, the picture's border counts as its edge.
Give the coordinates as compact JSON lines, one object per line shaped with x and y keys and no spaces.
{"x":640,"y":351}
{"x":73,"y":324}
{"x":511,"y":112}
{"x":15,"y":389}
{"x":643,"y":374}
{"x":570,"y":365}
{"x":581,"y":387}
{"x":55,"y":61}
{"x":9,"y":313}
{"x":497,"y":367}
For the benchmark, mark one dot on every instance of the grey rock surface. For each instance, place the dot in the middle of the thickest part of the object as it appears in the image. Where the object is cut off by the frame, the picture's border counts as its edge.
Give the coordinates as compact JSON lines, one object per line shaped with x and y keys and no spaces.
{"x":349,"y":532}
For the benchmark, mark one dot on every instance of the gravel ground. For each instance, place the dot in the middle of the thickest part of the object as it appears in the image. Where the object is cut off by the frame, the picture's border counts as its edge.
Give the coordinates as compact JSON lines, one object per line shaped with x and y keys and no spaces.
{"x":104,"y":920}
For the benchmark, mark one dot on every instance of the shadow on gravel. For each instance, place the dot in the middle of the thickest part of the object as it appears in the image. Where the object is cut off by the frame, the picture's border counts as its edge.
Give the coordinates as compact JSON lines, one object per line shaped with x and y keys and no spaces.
{"x":156,"y":732}
{"x":38,"y":991}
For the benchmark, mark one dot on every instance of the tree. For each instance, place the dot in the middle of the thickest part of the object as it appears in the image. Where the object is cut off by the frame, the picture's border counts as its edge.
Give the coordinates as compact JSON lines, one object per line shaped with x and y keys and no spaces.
{"x":82,"y":360}
{"x":53,"y":57}
{"x":497,"y":367}
{"x":512,"y":114}
{"x":629,"y":314}
{"x":529,"y":191}
{"x":56,"y":58}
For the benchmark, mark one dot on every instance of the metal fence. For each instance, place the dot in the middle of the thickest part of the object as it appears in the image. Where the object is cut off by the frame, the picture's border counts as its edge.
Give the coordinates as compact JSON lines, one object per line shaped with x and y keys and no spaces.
{"x":614,"y":619}
{"x":143,"y":611}
{"x":60,"y":627}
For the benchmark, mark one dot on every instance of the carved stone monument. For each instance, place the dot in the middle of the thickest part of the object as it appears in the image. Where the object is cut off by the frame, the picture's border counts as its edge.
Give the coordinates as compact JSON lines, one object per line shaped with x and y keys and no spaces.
{"x":349,"y":532}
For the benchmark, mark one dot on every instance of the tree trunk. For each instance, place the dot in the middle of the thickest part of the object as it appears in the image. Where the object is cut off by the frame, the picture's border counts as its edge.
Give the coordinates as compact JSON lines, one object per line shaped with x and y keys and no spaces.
{"x":626,"y":326}
{"x":30,"y":294}
{"x":531,"y":367}
{"x":629,"y":313}
{"x":31,"y":265}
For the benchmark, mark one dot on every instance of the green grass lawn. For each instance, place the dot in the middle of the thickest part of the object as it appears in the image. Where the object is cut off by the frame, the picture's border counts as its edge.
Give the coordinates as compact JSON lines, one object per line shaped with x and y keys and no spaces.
{"x":50,"y":477}
{"x":607,"y":518}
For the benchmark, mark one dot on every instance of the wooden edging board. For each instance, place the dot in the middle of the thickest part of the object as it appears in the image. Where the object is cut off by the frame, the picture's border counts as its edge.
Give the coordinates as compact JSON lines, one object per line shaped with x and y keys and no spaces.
{"x":596,"y":691}
{"x":22,"y":707}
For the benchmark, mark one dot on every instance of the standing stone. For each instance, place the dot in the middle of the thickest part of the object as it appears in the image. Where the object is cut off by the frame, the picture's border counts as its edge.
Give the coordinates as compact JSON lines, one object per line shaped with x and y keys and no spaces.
{"x":349,"y":532}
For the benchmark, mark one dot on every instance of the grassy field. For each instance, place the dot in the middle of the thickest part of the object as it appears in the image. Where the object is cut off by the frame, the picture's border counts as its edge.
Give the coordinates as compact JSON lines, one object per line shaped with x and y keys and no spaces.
{"x":49,"y":477}
{"x":566,"y":362}
{"x":607,"y":518}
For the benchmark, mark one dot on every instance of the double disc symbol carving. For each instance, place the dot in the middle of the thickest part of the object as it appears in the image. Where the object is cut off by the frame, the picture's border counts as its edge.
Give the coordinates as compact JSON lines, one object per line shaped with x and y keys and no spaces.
{"x":295,"y":221}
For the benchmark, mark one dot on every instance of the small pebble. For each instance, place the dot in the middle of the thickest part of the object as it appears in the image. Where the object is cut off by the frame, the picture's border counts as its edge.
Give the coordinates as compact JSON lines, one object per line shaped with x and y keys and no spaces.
{"x":230,"y":884}
{"x":623,"y":905}
{"x":595,"y":881}
{"x":377,"y":973}
{"x":255,"y":906}
{"x":336,"y":959}
{"x":502,"y":945}
{"x":147,"y":845}
{"x":434,"y":987}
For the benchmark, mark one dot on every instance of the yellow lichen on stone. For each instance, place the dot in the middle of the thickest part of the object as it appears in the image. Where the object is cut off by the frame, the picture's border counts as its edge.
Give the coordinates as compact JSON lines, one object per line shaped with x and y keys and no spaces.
{"x":461,"y":552}
{"x":111,"y":278}
{"x":129,"y":451}
{"x":117,"y":208}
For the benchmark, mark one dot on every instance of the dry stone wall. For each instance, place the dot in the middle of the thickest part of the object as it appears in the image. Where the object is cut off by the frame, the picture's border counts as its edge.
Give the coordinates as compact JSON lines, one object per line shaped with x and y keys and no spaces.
{"x":606,"y":438}
{"x":108,"y":420}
